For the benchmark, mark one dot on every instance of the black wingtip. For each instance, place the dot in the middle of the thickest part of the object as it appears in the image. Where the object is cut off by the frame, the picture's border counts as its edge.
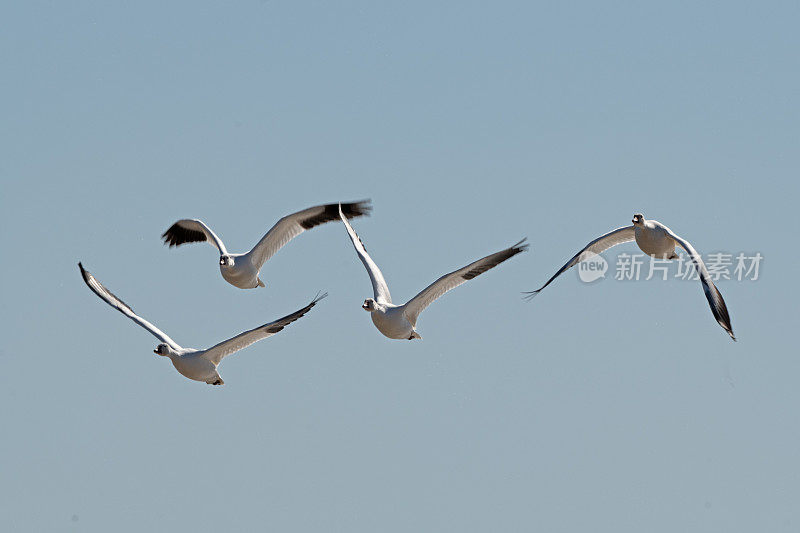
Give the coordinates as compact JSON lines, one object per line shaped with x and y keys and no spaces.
{"x":84,"y":272}
{"x":530,"y":295}
{"x":356,"y":209}
{"x":177,"y":235}
{"x":320,"y":295}
{"x":718,"y":308}
{"x":331,"y":212}
{"x":496,"y":259}
{"x":521,"y":246}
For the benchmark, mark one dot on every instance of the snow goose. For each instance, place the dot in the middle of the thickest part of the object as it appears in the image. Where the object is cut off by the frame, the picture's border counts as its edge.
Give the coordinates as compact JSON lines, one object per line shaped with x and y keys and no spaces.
{"x":400,"y":321}
{"x":241,"y":270}
{"x":656,"y":240}
{"x":199,"y":365}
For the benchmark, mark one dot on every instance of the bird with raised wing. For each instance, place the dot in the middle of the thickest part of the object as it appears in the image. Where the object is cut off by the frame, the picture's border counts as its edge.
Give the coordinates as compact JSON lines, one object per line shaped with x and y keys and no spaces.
{"x":400,"y":321}
{"x":658,"y":241}
{"x":242,"y":270}
{"x":198,"y":365}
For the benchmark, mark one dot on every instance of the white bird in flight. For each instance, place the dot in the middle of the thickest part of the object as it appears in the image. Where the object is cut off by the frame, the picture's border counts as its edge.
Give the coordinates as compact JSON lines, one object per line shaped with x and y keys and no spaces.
{"x":400,"y":321}
{"x":656,"y":240}
{"x":199,"y":365}
{"x":241,"y":270}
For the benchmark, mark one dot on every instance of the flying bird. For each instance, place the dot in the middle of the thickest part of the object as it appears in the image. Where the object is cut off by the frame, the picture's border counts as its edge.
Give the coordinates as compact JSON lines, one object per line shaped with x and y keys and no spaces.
{"x":241,"y":270}
{"x":198,"y":365}
{"x":400,"y":321}
{"x":656,"y":240}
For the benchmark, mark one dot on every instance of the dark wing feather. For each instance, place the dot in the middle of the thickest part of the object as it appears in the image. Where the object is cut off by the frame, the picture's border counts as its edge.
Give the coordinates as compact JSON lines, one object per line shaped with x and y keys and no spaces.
{"x":192,"y":230}
{"x":450,"y":281}
{"x":331,"y":212}
{"x":290,"y":226}
{"x":604,"y":242}
{"x":243,"y":340}
{"x":177,"y":235}
{"x":714,"y":297}
{"x":114,"y":301}
{"x":494,"y":260}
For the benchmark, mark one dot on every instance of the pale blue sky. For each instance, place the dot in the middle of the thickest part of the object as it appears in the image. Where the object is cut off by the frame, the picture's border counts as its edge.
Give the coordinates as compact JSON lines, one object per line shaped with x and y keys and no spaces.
{"x":619,"y":407}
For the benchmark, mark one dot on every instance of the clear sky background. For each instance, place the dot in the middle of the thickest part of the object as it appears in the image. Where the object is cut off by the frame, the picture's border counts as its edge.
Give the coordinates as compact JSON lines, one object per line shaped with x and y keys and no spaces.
{"x":613,"y":406}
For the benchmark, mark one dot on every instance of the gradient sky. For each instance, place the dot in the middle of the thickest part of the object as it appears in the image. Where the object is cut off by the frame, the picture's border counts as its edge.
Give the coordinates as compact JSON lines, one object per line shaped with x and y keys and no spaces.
{"x":612,"y":406}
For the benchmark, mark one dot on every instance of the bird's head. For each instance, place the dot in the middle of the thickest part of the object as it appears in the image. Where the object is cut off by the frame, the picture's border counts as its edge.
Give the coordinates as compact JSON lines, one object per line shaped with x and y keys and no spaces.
{"x":225,"y":261}
{"x":368,"y":305}
{"x":162,"y":349}
{"x":638,"y":219}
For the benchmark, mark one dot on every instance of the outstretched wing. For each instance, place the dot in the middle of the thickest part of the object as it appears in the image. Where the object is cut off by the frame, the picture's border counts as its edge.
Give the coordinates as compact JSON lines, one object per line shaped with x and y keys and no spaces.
{"x":192,"y":230}
{"x":124,"y":308}
{"x":379,"y":287}
{"x":604,"y":242}
{"x":293,"y":225}
{"x":418,"y":303}
{"x":243,"y":340}
{"x":715,"y":301}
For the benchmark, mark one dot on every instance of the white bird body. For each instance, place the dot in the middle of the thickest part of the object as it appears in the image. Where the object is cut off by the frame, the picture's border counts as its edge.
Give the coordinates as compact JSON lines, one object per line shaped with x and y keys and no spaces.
{"x":657,"y":240}
{"x":198,"y":365}
{"x":242,"y":270}
{"x":400,"y":321}
{"x":194,"y":365}
{"x":391,"y":320}
{"x":653,"y":238}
